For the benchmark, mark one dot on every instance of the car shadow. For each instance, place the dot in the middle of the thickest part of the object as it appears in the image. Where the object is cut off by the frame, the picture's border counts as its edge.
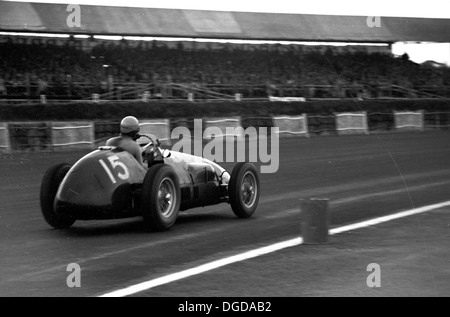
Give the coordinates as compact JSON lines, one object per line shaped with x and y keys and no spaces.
{"x":185,"y":222}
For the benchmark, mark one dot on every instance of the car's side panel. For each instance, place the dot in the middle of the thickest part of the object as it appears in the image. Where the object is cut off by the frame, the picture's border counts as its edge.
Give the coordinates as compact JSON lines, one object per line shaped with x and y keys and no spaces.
{"x":181,"y":162}
{"x":199,"y":178}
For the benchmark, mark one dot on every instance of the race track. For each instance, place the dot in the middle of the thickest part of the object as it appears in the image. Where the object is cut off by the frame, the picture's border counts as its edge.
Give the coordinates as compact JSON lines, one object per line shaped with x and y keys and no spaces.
{"x":363,"y":176}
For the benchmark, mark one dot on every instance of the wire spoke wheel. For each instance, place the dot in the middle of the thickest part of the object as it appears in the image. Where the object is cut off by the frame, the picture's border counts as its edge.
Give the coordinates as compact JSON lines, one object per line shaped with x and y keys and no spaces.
{"x":243,"y":190}
{"x":166,"y":197}
{"x":248,"y":189}
{"x":161,"y":197}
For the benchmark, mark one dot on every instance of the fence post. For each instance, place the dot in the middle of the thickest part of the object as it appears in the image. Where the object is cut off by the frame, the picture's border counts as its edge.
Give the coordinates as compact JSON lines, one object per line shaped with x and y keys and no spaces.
{"x":92,"y":123}
{"x":6,"y":144}
{"x":315,"y":220}
{"x":366,"y":123}
{"x":422,"y":113}
{"x":145,"y":96}
{"x":305,"y":119}
{"x":96,"y":98}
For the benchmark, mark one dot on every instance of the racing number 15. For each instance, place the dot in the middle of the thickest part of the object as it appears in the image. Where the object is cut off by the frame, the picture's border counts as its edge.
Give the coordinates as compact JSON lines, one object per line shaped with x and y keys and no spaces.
{"x":124,"y":174}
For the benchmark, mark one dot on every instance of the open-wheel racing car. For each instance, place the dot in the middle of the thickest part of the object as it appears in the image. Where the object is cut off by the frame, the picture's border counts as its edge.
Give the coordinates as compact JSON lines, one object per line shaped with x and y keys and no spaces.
{"x":109,"y":183}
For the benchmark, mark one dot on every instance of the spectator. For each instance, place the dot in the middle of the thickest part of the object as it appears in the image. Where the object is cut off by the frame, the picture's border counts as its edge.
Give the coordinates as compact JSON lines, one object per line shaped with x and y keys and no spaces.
{"x":327,"y":72}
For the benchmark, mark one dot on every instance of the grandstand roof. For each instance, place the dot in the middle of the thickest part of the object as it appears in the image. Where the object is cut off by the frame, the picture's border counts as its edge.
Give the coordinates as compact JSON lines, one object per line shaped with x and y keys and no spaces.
{"x":103,"y":20}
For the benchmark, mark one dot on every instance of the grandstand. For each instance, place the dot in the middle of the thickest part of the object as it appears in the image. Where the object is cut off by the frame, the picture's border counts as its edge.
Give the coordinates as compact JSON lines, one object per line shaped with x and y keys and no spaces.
{"x":85,"y":65}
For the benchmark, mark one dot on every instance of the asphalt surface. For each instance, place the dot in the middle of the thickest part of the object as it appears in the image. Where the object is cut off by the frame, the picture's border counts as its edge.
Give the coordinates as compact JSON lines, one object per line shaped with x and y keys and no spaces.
{"x":410,"y":252}
{"x":363,"y":176}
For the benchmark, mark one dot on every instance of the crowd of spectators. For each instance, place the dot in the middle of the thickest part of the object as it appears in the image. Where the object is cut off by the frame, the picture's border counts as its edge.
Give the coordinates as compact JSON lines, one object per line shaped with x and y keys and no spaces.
{"x":31,"y":70}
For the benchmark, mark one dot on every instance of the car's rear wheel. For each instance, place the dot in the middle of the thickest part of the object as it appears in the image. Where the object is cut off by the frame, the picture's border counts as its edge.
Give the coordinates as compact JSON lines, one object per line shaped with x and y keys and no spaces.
{"x":49,"y":187}
{"x":161,"y":197}
{"x":243,"y":190}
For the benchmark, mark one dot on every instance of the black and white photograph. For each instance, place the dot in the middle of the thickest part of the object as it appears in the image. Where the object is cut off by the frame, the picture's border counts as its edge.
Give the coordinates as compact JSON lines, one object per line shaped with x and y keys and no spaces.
{"x":228,"y":156}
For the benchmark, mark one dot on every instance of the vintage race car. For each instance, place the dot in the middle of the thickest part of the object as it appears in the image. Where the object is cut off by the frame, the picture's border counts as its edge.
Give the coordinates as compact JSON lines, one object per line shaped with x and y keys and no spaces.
{"x":109,"y":183}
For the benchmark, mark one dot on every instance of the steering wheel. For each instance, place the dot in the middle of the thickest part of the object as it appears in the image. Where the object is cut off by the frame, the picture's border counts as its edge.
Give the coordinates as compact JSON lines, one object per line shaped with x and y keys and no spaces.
{"x":150,"y":155}
{"x":151,"y":143}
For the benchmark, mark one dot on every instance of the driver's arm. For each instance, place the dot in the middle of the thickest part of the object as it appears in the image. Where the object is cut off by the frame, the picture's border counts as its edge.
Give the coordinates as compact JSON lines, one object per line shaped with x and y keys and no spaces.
{"x":134,"y":149}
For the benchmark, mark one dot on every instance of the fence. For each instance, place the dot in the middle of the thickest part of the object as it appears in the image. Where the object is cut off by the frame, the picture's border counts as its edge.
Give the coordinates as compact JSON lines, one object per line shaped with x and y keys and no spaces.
{"x":289,"y":125}
{"x":29,"y":136}
{"x":159,"y":129}
{"x":225,"y":125}
{"x":169,"y":90}
{"x":321,"y":125}
{"x":409,"y":120}
{"x":352,"y":123}
{"x":380,"y":121}
{"x":72,"y":135}
{"x":105,"y":130}
{"x":437,"y":120}
{"x":42,"y":136}
{"x":4,"y":138}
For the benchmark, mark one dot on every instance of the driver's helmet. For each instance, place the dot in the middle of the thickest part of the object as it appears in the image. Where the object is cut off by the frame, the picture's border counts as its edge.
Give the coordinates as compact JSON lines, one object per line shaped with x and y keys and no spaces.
{"x":129,"y":125}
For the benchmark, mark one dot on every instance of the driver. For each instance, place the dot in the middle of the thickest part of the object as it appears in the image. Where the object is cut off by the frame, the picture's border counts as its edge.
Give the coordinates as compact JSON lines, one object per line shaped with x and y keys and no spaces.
{"x":129,"y":133}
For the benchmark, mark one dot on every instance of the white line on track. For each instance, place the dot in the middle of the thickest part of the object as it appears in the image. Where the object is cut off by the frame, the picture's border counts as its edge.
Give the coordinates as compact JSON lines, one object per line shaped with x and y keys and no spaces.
{"x":261,"y":251}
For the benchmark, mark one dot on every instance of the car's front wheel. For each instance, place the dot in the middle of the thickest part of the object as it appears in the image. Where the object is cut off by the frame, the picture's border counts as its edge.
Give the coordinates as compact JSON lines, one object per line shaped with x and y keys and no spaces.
{"x":243,"y":190}
{"x":161,"y":197}
{"x":49,"y":187}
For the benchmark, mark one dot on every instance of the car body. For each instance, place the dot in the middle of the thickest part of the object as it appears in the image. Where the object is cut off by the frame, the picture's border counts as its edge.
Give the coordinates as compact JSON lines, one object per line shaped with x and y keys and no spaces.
{"x":109,"y":183}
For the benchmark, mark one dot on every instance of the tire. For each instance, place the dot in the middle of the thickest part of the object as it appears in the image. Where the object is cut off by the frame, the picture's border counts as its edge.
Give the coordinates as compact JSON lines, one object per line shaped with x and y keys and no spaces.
{"x":160,"y":213}
{"x":243,"y":190}
{"x":49,"y":187}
